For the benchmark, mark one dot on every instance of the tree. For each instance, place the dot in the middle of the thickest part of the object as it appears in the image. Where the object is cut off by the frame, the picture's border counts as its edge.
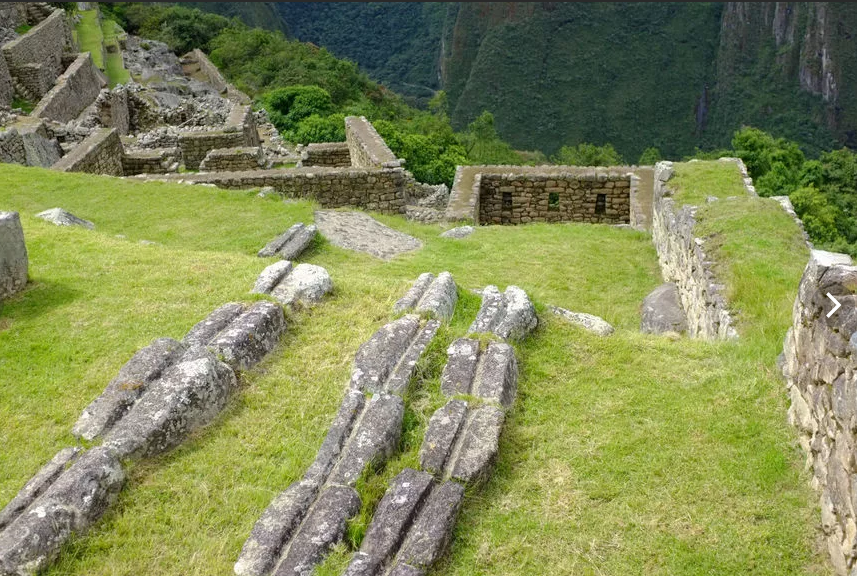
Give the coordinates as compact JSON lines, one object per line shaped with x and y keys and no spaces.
{"x":650,"y":156}
{"x":287,"y":107}
{"x":316,"y":128}
{"x":586,"y":154}
{"x":819,"y":217}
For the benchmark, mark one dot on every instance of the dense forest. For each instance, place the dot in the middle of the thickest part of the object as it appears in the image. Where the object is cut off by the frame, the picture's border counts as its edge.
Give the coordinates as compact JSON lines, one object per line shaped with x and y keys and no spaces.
{"x":307,"y":92}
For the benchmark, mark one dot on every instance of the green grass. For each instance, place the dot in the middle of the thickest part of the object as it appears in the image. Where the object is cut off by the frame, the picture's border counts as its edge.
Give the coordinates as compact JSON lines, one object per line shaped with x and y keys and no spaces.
{"x":694,"y":182}
{"x":25,"y":105}
{"x":624,"y":455}
{"x":114,"y":66}
{"x":89,"y":35}
{"x":23,"y":29}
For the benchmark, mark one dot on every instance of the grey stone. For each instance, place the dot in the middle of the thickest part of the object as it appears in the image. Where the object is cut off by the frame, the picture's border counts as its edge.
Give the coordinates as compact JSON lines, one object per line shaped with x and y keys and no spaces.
{"x":204,"y":332}
{"x":291,"y":243}
{"x":14,"y":262}
{"x":589,"y":322}
{"x":360,"y":232}
{"x":375,"y":439}
{"x":275,"y":527}
{"x":376,"y":359}
{"x":37,"y":485}
{"x":430,"y":534}
{"x":188,"y":396}
{"x":460,"y":232}
{"x":520,"y":316}
{"x":443,"y":429}
{"x":393,"y":516}
{"x":350,"y":409}
{"x":662,"y":311}
{"x":251,"y":336}
{"x":271,"y":276}
{"x":398,"y":381}
{"x":73,"y":502}
{"x":497,"y":375}
{"x":120,"y":394}
{"x":60,"y":217}
{"x":323,"y":527}
{"x":480,"y":444}
{"x":491,"y":312}
{"x":440,"y":298}
{"x":307,"y":284}
{"x":460,"y":369}
{"x":412,"y":297}
{"x":266,"y":191}
{"x":406,"y":570}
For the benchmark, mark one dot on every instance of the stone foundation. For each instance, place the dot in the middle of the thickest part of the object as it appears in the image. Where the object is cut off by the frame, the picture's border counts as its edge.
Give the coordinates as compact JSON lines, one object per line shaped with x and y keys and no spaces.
{"x":233,"y":159}
{"x":100,"y":153}
{"x":74,"y":91}
{"x":326,"y":154}
{"x":240,"y":131}
{"x":154,"y":161}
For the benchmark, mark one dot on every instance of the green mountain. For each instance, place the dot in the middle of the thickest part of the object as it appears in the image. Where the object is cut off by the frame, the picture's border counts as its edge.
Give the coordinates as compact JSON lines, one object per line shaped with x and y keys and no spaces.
{"x":672,"y":75}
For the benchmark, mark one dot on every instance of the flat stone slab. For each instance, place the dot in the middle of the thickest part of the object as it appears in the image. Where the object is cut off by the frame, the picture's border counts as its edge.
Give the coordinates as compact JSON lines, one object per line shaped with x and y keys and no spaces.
{"x":207,"y":329}
{"x":14,"y":262}
{"x":291,"y":243}
{"x":350,"y":409}
{"x":589,"y":322}
{"x":458,"y":233}
{"x":490,"y":374}
{"x":433,"y":296}
{"x":510,"y":315}
{"x":61,"y":217}
{"x":271,"y":276}
{"x":662,"y":311}
{"x":306,"y":284}
{"x":251,"y":336}
{"x":360,"y":232}
{"x":430,"y":533}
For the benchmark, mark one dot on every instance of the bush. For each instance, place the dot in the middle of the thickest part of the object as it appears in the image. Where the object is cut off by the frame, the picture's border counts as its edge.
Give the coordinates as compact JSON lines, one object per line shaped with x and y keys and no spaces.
{"x":819,"y":217}
{"x":317,"y":128}
{"x":287,"y":107}
{"x":586,"y":154}
{"x":650,"y":156}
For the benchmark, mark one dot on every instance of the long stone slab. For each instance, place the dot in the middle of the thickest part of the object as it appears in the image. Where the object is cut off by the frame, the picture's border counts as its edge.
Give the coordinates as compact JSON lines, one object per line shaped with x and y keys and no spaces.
{"x":510,"y":315}
{"x":72,"y":503}
{"x":291,"y":243}
{"x":430,"y":534}
{"x":251,"y":336}
{"x":386,"y":362}
{"x":360,"y":232}
{"x":206,"y":329}
{"x":430,"y":295}
{"x":134,"y":377}
{"x":490,"y":374}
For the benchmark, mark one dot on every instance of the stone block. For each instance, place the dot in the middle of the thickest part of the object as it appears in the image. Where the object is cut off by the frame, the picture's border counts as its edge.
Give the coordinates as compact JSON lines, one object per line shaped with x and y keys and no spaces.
{"x":489,"y":374}
{"x":251,"y":336}
{"x":306,"y":284}
{"x":14,"y":261}
{"x":430,"y":534}
{"x":271,"y":276}
{"x":205,"y":331}
{"x":430,"y":295}
{"x":662,"y":311}
{"x":588,"y":322}
{"x":291,"y":243}
{"x":351,"y":408}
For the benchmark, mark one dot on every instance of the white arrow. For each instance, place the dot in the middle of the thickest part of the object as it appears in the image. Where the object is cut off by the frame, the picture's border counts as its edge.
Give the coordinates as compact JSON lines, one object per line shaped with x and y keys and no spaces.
{"x":835,"y":308}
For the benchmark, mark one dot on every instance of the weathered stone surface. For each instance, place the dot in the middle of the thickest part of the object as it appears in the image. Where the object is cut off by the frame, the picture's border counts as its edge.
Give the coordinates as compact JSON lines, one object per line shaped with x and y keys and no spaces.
{"x":480,"y":444}
{"x":186,"y":397}
{"x":491,"y":312}
{"x":375,"y":439}
{"x":414,"y":293}
{"x":458,"y":233}
{"x":398,"y":381}
{"x":251,"y":336}
{"x":440,"y":298}
{"x":429,"y":536}
{"x":61,"y":217}
{"x":37,"y":485}
{"x":360,"y":232}
{"x":323,"y":527}
{"x":14,"y":262}
{"x":72,"y":503}
{"x":460,"y":369}
{"x":588,"y":322}
{"x":204,"y":332}
{"x":271,"y":276}
{"x":291,"y":243}
{"x":120,"y":394}
{"x":307,"y":284}
{"x":443,"y":429}
{"x":393,"y":516}
{"x":662,"y":311}
{"x":520,"y":316}
{"x":406,"y":570}
{"x":377,"y":357}
{"x":497,"y":375}
{"x":275,"y":527}
{"x":350,"y":409}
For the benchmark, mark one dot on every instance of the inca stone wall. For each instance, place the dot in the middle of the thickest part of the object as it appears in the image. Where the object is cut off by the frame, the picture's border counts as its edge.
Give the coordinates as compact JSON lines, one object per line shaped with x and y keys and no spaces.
{"x":684,"y":262}
{"x":240,"y":131}
{"x":233,"y":159}
{"x":594,"y":197}
{"x":7,"y":90}
{"x":213,"y":76}
{"x":74,"y":91}
{"x":154,"y":161}
{"x":13,"y":255}
{"x":35,"y":59}
{"x":27,"y":142}
{"x":113,"y":109}
{"x":366,"y":147}
{"x":326,"y":154}
{"x":13,"y":14}
{"x":100,"y":153}
{"x":820,"y":367}
{"x":11,"y":147}
{"x":378,"y":190}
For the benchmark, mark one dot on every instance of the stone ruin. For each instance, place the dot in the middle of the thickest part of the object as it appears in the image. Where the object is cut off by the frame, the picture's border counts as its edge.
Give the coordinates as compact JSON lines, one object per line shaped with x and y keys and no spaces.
{"x":14,"y":263}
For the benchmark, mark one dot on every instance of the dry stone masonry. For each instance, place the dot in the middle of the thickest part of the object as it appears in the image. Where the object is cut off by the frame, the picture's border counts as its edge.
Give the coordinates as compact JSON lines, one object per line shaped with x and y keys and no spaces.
{"x":327,"y":154}
{"x":366,"y":147}
{"x":290,"y":244}
{"x":73,"y":92}
{"x":100,"y":153}
{"x":684,"y":262}
{"x":430,"y":295}
{"x":14,"y":263}
{"x":35,"y":58}
{"x":820,"y":367}
{"x":234,"y":159}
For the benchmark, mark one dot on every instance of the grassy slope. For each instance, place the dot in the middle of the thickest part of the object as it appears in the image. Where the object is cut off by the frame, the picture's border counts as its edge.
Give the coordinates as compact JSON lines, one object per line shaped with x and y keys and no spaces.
{"x":89,"y":35}
{"x":114,"y":67}
{"x":623,"y":455}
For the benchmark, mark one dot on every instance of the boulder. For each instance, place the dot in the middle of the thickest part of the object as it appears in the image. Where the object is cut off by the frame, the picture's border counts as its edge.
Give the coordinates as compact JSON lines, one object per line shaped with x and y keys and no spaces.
{"x":520,"y":316}
{"x":306,"y":284}
{"x":61,"y":217}
{"x":430,"y":295}
{"x":271,"y":276}
{"x":14,"y":262}
{"x":662,"y":311}
{"x":588,"y":322}
{"x":460,"y":232}
{"x":251,"y":336}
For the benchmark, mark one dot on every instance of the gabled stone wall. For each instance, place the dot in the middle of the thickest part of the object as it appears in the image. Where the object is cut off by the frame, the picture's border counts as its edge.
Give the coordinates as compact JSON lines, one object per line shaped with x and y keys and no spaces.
{"x":367,"y":148}
{"x":240,"y":131}
{"x":74,"y":91}
{"x":329,"y":154}
{"x":35,"y":59}
{"x":100,"y":153}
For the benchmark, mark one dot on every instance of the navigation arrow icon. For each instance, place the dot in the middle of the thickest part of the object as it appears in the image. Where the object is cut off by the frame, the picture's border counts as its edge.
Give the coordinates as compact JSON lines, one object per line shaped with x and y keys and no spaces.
{"x":835,"y":308}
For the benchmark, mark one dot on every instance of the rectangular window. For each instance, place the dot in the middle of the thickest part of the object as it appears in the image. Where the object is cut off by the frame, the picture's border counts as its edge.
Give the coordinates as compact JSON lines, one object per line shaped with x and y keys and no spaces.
{"x":507,"y":200}
{"x":553,"y":200}
{"x":601,"y":204}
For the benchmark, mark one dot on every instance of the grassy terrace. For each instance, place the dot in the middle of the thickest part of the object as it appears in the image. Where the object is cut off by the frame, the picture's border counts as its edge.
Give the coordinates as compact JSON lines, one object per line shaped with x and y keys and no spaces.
{"x":626,"y":455}
{"x":95,"y":38}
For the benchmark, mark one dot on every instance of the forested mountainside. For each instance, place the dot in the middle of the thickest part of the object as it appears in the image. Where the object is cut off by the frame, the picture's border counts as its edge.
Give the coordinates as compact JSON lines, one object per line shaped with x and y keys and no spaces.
{"x":677,"y":76}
